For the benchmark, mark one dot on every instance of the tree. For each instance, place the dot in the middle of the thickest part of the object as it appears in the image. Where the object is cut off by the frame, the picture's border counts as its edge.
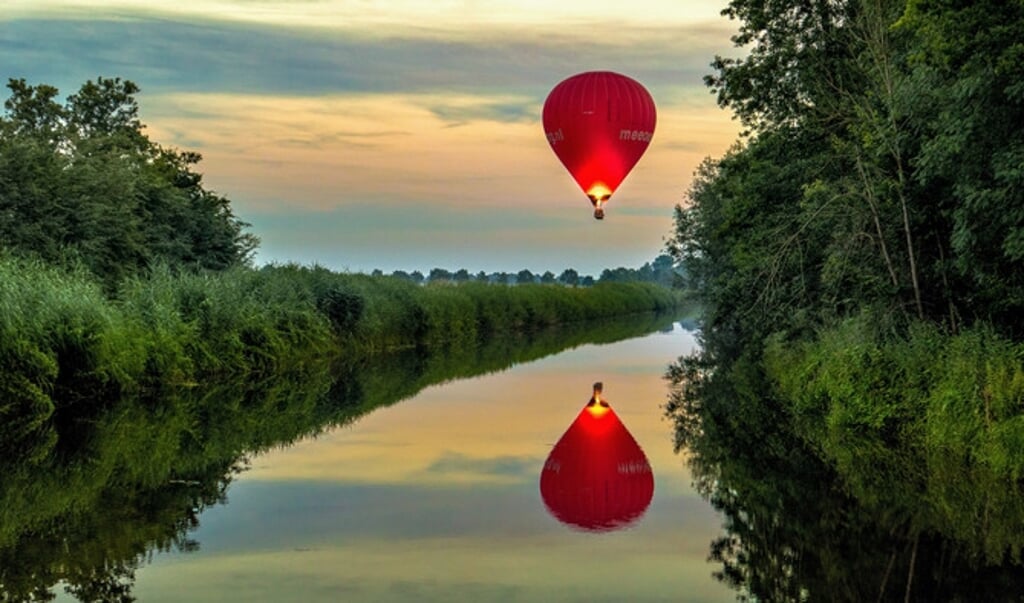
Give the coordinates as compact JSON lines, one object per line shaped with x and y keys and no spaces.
{"x":618,"y":275}
{"x":966,"y":62}
{"x":524,"y":276}
{"x":81,"y":181}
{"x":32,"y":111}
{"x":548,"y":277}
{"x":798,"y":59}
{"x":664,"y":270}
{"x":439,"y":274}
{"x":569,"y":277}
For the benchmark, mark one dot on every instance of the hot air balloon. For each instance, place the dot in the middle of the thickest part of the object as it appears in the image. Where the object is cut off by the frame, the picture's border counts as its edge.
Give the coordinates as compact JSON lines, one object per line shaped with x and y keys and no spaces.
{"x":597,"y":477}
{"x":599,"y":123}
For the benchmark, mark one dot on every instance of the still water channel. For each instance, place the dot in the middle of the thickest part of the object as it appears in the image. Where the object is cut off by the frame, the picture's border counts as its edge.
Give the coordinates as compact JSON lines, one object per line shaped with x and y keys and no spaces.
{"x":437,"y":498}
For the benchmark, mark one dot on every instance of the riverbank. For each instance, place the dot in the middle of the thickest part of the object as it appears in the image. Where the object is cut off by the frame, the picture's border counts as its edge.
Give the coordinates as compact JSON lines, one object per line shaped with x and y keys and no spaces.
{"x":62,"y":339}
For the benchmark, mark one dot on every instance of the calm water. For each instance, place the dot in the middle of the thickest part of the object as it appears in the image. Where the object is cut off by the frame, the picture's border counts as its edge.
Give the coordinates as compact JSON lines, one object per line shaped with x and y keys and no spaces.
{"x":437,"y":498}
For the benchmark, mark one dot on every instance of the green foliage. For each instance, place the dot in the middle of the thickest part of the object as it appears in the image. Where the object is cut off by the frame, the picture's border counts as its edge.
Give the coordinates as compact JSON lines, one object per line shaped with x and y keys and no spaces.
{"x":968,"y":56}
{"x":818,"y":512}
{"x":882,"y":168}
{"x":62,"y":339}
{"x":54,"y":326}
{"x":81,"y":182}
{"x":798,"y":58}
{"x":928,"y":423}
{"x":858,"y":259}
{"x":750,"y":243}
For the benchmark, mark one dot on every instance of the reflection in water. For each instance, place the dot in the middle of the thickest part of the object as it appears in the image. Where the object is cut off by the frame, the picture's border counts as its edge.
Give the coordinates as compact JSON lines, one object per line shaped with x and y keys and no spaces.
{"x":89,"y":496}
{"x":597,"y":477}
{"x":858,"y":518}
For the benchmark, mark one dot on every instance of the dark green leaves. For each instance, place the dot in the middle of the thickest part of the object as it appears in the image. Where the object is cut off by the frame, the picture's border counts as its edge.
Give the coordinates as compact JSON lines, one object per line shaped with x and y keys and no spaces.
{"x":80,"y":182}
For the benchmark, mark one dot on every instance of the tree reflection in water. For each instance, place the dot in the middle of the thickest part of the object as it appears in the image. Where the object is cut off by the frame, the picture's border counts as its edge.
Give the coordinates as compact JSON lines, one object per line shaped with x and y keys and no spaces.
{"x":887,"y":524}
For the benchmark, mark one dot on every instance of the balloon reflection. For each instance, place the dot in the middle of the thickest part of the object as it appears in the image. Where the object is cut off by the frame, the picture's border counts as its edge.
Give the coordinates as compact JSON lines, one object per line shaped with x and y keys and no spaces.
{"x":597,"y":478}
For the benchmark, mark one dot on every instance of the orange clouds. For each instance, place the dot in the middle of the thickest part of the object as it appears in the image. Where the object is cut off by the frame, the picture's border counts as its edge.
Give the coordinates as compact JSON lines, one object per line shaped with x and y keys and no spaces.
{"x":325,"y":152}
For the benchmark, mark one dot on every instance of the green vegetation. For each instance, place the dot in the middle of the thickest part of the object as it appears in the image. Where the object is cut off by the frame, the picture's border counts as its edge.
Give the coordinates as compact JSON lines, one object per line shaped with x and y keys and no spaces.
{"x":870,"y":518}
{"x":88,"y":498}
{"x":662,"y":271}
{"x":858,"y":254}
{"x":882,"y":169}
{"x":81,"y":183}
{"x":63,"y":340}
{"x":957,"y":396}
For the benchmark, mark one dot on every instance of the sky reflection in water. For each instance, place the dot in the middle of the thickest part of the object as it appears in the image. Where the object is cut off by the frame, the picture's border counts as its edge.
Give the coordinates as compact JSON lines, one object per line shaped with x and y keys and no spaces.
{"x":436,"y":499}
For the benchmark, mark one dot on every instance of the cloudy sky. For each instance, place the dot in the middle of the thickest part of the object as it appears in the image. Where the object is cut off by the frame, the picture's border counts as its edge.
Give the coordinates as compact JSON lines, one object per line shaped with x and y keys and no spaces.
{"x":399,"y":134}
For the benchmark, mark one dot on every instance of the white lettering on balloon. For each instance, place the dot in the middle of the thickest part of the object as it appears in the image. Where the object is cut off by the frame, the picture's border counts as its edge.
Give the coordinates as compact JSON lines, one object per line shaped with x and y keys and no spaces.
{"x":635,"y":135}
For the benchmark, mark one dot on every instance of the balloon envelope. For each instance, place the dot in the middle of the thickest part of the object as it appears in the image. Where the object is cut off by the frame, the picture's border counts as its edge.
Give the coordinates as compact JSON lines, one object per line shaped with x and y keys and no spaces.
{"x":599,"y":124}
{"x":597,"y":478}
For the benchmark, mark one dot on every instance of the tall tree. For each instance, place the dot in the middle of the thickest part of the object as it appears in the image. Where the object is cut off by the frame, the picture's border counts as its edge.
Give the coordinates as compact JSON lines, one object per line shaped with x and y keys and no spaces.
{"x":82,"y":181}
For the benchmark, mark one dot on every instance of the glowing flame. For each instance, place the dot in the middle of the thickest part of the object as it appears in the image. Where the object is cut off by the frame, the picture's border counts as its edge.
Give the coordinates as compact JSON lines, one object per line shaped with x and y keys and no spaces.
{"x":597,"y":406}
{"x":599,"y":193}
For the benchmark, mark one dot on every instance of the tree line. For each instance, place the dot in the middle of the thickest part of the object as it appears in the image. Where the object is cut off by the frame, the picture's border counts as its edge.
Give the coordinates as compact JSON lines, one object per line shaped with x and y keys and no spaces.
{"x":660,"y":271}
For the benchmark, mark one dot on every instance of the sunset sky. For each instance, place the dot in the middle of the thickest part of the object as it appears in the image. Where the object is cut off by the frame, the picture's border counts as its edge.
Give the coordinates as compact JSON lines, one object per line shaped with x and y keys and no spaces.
{"x":401,"y":134}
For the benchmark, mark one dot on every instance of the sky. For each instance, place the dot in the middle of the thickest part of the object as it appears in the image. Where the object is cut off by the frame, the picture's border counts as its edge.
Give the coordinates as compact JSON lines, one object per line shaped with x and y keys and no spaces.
{"x":401,"y":134}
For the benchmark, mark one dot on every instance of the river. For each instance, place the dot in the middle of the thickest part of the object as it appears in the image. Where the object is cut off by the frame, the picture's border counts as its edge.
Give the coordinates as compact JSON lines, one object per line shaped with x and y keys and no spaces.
{"x":435,"y":497}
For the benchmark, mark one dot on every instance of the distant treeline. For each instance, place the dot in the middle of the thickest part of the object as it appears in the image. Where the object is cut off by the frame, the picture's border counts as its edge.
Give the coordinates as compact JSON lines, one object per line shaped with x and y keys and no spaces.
{"x":661,"y":271}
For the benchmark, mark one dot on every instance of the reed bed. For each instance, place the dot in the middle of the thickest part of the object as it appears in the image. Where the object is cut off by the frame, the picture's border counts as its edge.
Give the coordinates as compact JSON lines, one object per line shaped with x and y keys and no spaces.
{"x":62,"y":337}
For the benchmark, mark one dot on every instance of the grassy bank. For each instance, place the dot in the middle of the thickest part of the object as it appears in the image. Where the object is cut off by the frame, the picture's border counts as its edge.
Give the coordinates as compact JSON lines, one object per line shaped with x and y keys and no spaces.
{"x":62,"y":338}
{"x":956,"y":395}
{"x":927,"y":426}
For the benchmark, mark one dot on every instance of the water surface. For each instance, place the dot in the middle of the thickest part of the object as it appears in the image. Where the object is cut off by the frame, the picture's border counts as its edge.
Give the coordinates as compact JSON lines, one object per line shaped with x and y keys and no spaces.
{"x":436,"y":498}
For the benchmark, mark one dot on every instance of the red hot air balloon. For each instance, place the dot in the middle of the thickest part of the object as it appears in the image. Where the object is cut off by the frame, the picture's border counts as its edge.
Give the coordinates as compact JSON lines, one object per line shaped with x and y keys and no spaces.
{"x":597,"y":477}
{"x":599,"y":123}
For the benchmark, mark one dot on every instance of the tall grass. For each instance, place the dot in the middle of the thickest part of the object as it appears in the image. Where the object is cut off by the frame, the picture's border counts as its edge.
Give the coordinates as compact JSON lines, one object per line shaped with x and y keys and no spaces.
{"x":961,"y":394}
{"x":55,"y":326}
{"x":926,"y":417}
{"x":62,"y":338}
